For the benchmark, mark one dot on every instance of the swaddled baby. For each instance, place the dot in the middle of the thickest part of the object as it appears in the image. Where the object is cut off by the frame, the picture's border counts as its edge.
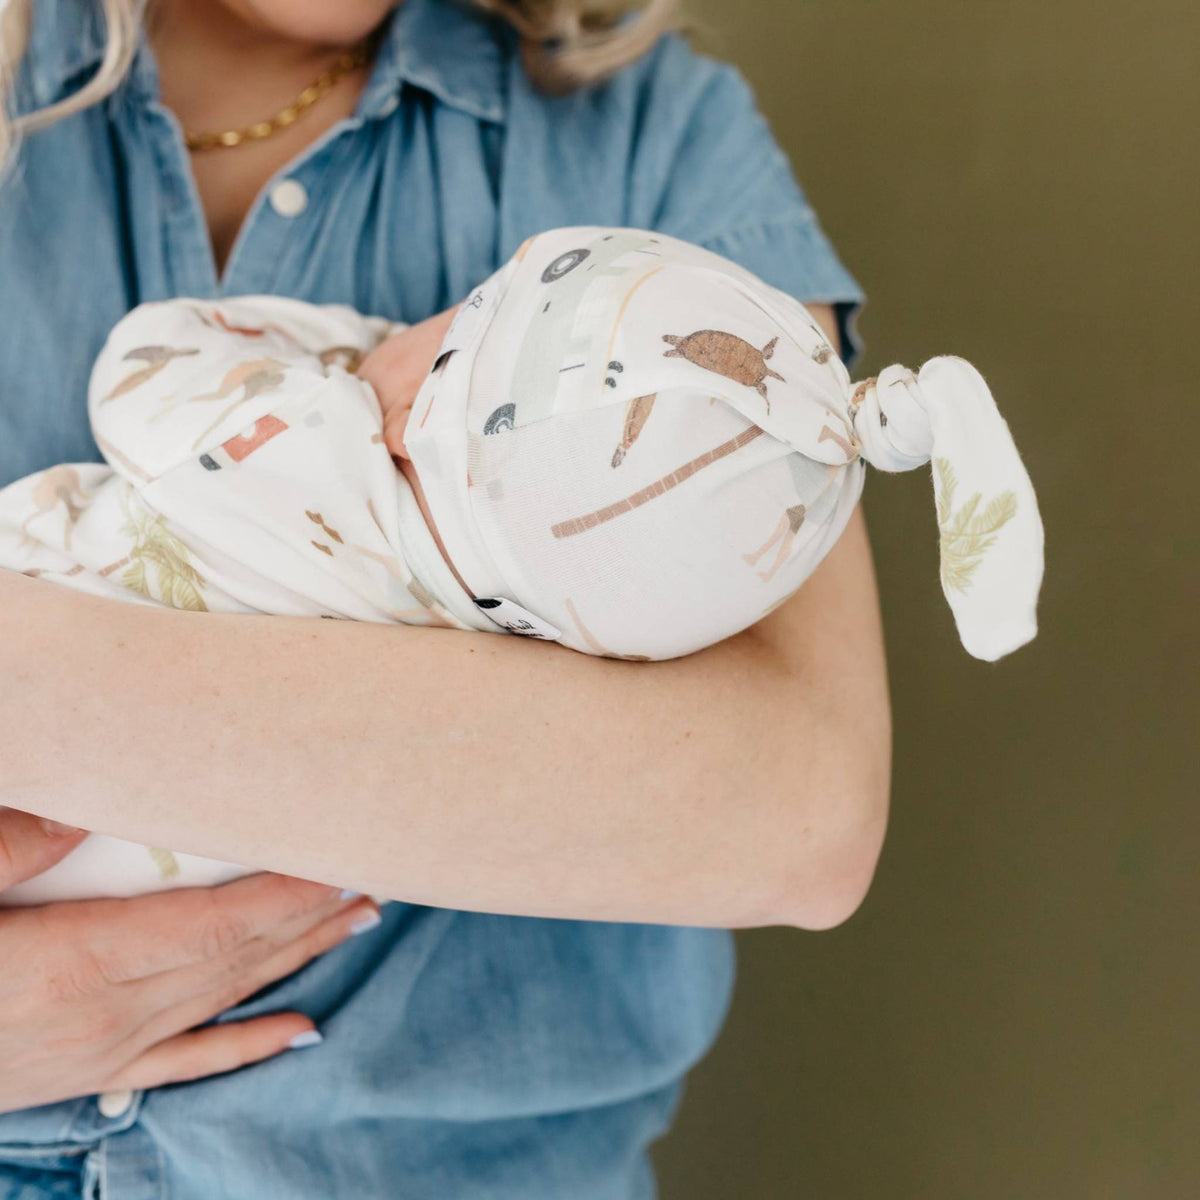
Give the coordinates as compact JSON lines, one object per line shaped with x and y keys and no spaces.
{"x":626,"y":444}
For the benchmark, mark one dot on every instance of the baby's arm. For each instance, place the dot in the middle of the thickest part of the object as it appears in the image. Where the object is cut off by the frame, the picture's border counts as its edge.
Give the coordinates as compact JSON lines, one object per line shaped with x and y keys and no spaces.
{"x":179,"y":377}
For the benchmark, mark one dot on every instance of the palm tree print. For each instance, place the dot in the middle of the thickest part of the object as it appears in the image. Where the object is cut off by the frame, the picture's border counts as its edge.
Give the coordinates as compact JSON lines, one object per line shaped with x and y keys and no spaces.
{"x":165,"y":861}
{"x":967,"y":534}
{"x":157,"y":552}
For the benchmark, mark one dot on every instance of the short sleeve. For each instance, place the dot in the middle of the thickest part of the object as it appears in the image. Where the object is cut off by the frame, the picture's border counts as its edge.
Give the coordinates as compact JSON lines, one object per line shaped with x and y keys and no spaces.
{"x":708,"y":170}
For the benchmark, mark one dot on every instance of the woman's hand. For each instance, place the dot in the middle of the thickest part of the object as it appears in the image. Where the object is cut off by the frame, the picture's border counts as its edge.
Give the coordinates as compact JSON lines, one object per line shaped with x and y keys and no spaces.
{"x":98,"y":995}
{"x":397,"y":367}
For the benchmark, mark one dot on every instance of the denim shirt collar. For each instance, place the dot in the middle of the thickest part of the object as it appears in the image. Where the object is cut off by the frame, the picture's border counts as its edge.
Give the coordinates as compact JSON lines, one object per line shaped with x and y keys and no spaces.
{"x":442,"y":46}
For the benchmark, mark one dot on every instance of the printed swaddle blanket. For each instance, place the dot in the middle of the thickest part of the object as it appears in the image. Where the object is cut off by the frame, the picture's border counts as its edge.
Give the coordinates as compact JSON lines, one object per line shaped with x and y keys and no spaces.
{"x":246,"y":473}
{"x":628,"y":444}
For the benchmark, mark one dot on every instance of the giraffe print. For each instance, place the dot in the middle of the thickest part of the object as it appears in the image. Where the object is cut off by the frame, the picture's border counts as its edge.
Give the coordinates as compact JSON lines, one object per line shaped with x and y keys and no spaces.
{"x":784,"y":533}
{"x":596,"y":646}
{"x":792,"y":518}
{"x":431,"y":611}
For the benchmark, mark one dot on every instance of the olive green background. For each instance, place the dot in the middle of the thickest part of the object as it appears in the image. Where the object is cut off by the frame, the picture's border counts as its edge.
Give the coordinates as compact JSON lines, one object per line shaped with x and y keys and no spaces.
{"x":1014,"y":1012}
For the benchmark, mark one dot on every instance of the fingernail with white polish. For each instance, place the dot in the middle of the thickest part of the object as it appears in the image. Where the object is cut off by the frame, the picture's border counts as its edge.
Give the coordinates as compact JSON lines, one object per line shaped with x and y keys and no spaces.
{"x":310,"y":1037}
{"x":368,"y":921}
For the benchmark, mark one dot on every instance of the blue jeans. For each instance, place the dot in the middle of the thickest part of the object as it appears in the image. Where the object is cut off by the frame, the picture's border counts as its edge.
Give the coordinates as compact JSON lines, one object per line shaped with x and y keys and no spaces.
{"x":467,"y":1056}
{"x":46,"y":1175}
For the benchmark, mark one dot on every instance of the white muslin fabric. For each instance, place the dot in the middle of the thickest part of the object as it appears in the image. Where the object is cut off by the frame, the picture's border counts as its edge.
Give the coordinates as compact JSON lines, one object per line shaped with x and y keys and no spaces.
{"x":627,"y":444}
{"x":646,"y":448}
{"x":246,"y":473}
{"x":991,"y":537}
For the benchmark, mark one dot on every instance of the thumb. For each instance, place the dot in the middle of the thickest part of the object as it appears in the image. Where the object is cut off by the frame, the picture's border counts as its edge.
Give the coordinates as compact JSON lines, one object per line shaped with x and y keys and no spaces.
{"x":30,"y":845}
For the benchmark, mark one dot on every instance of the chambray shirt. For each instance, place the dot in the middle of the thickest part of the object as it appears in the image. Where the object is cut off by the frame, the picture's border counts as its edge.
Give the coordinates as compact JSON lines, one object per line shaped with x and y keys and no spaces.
{"x":465,"y":1054}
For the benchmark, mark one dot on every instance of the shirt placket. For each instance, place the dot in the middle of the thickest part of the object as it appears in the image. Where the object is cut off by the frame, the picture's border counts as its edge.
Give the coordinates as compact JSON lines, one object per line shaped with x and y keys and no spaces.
{"x":121,"y":1162}
{"x":124,"y":1166}
{"x":282,"y":213}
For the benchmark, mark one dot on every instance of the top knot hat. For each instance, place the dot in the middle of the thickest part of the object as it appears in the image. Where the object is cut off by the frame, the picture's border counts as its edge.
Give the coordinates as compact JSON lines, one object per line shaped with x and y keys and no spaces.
{"x":636,"y":447}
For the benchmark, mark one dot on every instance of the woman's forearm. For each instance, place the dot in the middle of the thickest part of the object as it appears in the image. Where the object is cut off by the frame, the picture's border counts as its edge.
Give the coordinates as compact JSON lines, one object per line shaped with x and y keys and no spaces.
{"x":746,"y":784}
{"x":742,"y":785}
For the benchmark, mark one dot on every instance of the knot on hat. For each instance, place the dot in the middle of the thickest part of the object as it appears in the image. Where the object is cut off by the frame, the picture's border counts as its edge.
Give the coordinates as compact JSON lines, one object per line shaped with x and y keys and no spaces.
{"x":990,"y":530}
{"x":891,"y":419}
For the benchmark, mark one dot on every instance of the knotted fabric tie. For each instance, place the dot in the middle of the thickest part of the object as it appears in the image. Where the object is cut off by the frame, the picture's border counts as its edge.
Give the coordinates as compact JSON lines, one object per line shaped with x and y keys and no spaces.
{"x":991,"y":532}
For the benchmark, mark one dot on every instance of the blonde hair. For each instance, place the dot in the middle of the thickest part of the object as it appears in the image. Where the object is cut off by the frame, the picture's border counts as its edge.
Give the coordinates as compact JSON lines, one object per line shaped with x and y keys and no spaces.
{"x":588,"y":48}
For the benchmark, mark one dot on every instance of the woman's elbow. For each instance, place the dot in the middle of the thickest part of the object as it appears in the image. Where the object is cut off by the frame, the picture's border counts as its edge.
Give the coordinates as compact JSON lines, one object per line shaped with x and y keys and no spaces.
{"x":825,"y":838}
{"x":828,"y":874}
{"x":829,"y":862}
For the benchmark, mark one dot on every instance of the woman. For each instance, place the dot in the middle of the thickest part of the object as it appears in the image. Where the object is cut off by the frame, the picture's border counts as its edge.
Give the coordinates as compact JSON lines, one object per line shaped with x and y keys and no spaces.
{"x":472,"y":1047}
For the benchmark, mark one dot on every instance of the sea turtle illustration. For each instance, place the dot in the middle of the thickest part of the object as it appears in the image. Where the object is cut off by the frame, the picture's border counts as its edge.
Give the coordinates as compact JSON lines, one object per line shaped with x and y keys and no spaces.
{"x":728,"y":355}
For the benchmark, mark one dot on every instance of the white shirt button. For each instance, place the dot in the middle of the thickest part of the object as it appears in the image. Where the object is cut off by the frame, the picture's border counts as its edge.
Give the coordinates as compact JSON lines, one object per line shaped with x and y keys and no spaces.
{"x":114,"y":1104}
{"x":289,"y":198}
{"x":389,"y":106}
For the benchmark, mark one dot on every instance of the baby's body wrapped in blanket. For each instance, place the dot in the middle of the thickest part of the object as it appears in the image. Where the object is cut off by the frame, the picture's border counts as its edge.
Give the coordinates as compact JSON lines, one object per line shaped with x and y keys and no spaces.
{"x":628,"y":444}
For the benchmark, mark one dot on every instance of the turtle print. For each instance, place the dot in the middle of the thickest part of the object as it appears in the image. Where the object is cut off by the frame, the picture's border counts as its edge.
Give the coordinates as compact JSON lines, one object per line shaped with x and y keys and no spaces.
{"x":728,"y":355}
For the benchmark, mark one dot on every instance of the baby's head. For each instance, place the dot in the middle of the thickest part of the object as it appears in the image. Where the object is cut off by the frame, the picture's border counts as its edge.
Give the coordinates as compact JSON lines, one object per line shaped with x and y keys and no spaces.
{"x":647,"y":448}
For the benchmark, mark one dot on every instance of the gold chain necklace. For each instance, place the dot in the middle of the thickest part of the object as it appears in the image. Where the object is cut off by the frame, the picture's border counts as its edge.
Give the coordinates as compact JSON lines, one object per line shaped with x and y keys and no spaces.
{"x":346,"y":62}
